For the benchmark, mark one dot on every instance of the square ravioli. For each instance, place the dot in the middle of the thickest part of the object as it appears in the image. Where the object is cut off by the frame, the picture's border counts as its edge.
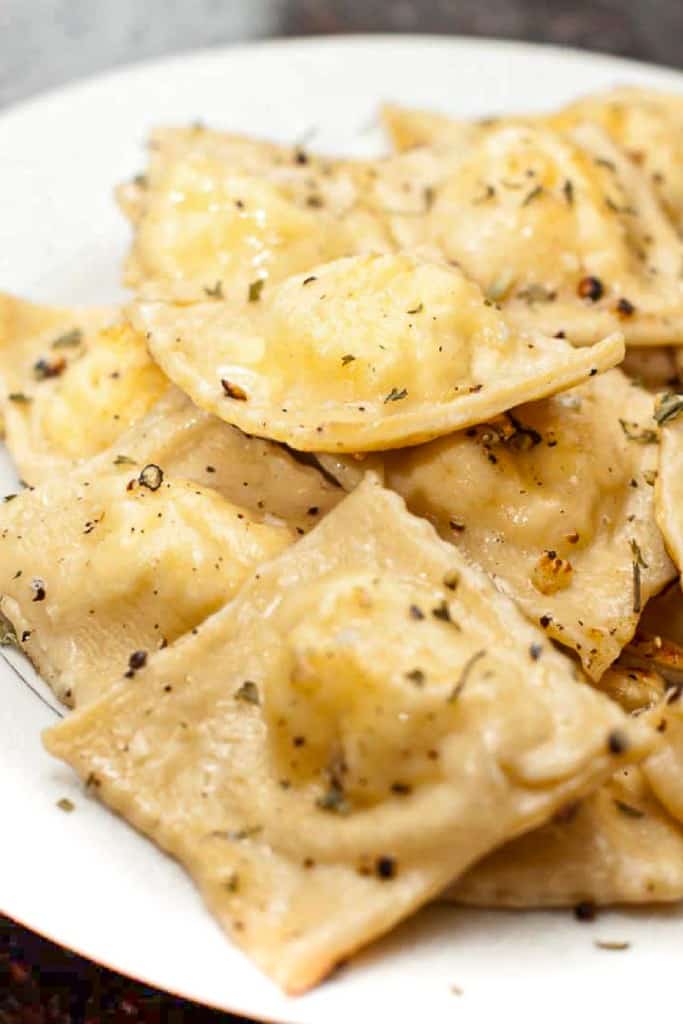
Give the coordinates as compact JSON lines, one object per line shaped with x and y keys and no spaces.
{"x":617,"y":846}
{"x":215,"y":213}
{"x":365,"y":720}
{"x":556,"y":502}
{"x":259,"y":475}
{"x":361,"y":354}
{"x":72,"y":381}
{"x":99,"y":570}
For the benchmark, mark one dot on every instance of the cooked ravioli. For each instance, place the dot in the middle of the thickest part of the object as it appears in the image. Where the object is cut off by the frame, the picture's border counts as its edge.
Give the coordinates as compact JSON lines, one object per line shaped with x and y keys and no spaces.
{"x":366,"y":719}
{"x":646,"y":123}
{"x":97,"y":572}
{"x":655,"y":367}
{"x":259,"y":475}
{"x":556,"y":502}
{"x":73,"y":380}
{"x":361,"y":354}
{"x":565,"y":232}
{"x":215,"y":214}
{"x":619,"y":845}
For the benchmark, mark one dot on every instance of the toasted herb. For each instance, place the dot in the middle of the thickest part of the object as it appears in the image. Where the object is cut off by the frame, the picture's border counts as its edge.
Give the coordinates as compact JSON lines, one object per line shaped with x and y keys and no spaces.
{"x":464,"y":675}
{"x":38,"y":588}
{"x":348,"y":359}
{"x":395,"y":395}
{"x":568,"y":191}
{"x":70,"y":339}
{"x":8,"y":634}
{"x":43,"y":369}
{"x":534,"y":293}
{"x":628,"y":810}
{"x":611,"y":945}
{"x":66,"y":805}
{"x":590,"y":288}
{"x":416,"y":309}
{"x":255,"y":289}
{"x":638,"y":564}
{"x":309,"y":279}
{"x":385,"y":868}
{"x":333,"y":799}
{"x":634,"y":432}
{"x":9,"y":497}
{"x":216,"y":292}
{"x":416,"y":675}
{"x":151,"y":476}
{"x":248,"y":692}
{"x":234,"y":391}
{"x":19,"y":397}
{"x":124,"y":460}
{"x":668,"y":407}
{"x":531,"y":196}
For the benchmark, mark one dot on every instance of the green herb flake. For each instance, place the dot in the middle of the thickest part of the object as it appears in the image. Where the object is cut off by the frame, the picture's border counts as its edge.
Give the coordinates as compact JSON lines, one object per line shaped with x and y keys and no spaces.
{"x":66,"y":805}
{"x":255,"y":289}
{"x":348,"y":359}
{"x":248,"y":692}
{"x":333,"y":800}
{"x":124,"y":460}
{"x":216,"y":292}
{"x":19,"y":397}
{"x":535,"y":193}
{"x":634,"y":432}
{"x":628,"y":809}
{"x":668,"y":407}
{"x":395,"y":395}
{"x":416,"y":676}
{"x":464,"y":675}
{"x":71,"y":339}
{"x":638,"y":564}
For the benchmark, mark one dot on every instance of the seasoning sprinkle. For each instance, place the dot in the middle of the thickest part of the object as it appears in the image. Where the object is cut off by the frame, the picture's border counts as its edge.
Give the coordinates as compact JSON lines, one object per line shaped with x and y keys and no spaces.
{"x":617,"y":742}
{"x":348,"y":359}
{"x":535,"y":651}
{"x":248,"y":692}
{"x":151,"y":476}
{"x":590,"y":288}
{"x":19,"y":397}
{"x":70,"y":339}
{"x":216,"y":292}
{"x":416,"y":675}
{"x":531,"y":196}
{"x":66,"y":805}
{"x":568,"y":191}
{"x":629,"y":810}
{"x":633,"y":432}
{"x":464,"y":675}
{"x":309,"y":280}
{"x":415,"y":612}
{"x":416,"y":309}
{"x":668,"y":407}
{"x":625,"y":308}
{"x":255,"y":289}
{"x":43,"y":369}
{"x":124,"y":460}
{"x":385,"y":868}
{"x":638,"y":564}
{"x":395,"y":395}
{"x":333,"y":799}
{"x":38,"y":588}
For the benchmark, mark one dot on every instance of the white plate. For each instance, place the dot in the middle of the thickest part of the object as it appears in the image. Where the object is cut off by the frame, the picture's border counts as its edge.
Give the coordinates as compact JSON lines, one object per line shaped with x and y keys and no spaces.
{"x":85,"y":879}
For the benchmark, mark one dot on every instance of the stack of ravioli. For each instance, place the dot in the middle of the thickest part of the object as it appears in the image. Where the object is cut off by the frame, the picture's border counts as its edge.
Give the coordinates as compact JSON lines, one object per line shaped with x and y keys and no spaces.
{"x":344,"y":538}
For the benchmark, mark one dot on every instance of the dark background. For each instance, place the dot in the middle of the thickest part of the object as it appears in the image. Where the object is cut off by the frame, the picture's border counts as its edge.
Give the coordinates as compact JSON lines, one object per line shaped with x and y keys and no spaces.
{"x":44,"y":43}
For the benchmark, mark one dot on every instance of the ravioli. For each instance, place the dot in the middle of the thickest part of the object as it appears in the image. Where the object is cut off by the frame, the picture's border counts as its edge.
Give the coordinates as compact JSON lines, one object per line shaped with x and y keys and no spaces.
{"x":565,"y":232}
{"x":410,"y":128}
{"x":655,"y":367}
{"x":262,"y":477}
{"x":96,"y":572}
{"x":366,"y":719}
{"x":361,"y":354}
{"x":217,"y":213}
{"x":73,"y":380}
{"x":556,"y":502}
{"x":619,"y":845}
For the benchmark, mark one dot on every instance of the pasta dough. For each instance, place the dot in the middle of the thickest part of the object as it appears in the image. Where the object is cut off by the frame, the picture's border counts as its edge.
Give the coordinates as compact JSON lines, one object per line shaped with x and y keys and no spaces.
{"x":365,"y":719}
{"x":258,"y":475}
{"x":555,"y":502}
{"x":361,"y":354}
{"x":99,"y":570}
{"x":73,"y":380}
